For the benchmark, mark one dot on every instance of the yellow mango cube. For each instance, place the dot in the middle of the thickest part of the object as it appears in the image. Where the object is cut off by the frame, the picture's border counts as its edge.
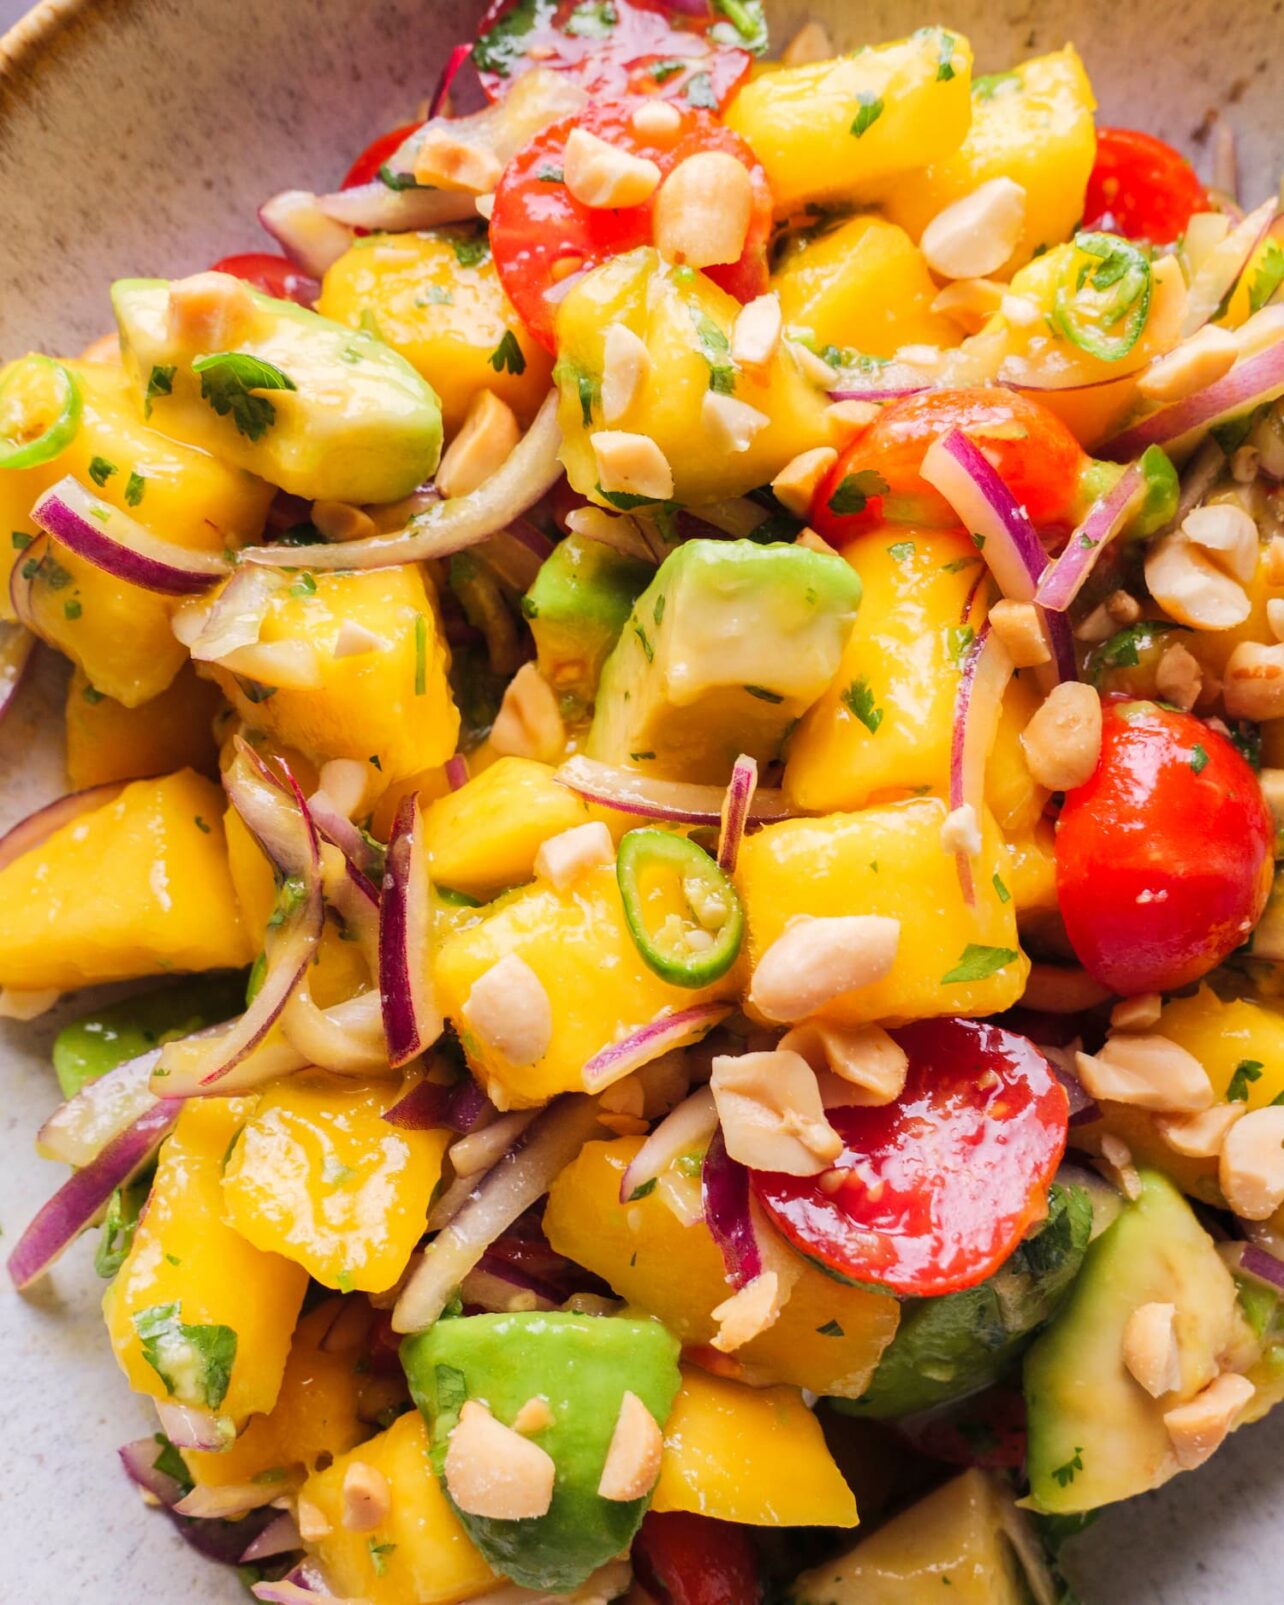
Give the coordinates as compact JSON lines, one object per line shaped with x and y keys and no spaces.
{"x":436,"y":300}
{"x":139,"y":886}
{"x":890,"y":861}
{"x":1033,"y":125}
{"x":580,"y":948}
{"x":685,"y":321}
{"x":420,"y":1551}
{"x":320,"y":1177}
{"x":674,"y":1271}
{"x":196,"y":1313}
{"x":781,"y":1474}
{"x":106,"y":741}
{"x":911,"y":97}
{"x":1260,"y":280}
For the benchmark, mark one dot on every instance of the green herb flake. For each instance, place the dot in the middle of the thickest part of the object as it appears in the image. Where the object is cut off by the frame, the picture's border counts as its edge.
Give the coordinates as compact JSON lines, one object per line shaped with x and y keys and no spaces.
{"x":1001,"y":890}
{"x":853,"y":493}
{"x":549,"y":173}
{"x":169,"y":1462}
{"x":452,"y":1389}
{"x":91,"y":696}
{"x":507,"y":355}
{"x":763,"y":695}
{"x":21,"y":541}
{"x":858,"y":699}
{"x":160,"y":382}
{"x":135,"y":488}
{"x":72,"y":609}
{"x":945,"y":59}
{"x":1198,"y":759}
{"x":202,"y":826}
{"x":658,"y":611}
{"x":699,"y":92}
{"x":230,"y":382}
{"x":990,"y":84}
{"x":831,"y":1329}
{"x":194,"y":1362}
{"x":592,"y":19}
{"x":640,"y":757}
{"x":1064,"y":1475}
{"x":124,"y":1211}
{"x":659,"y":72}
{"x":1268,"y":278}
{"x":1246,"y":1072}
{"x":959,"y":639}
{"x":647,"y":648}
{"x":379,"y":1556}
{"x":470,"y":250}
{"x":100,"y":470}
{"x":901,"y":551}
{"x":715,"y":348}
{"x":644,"y":1191}
{"x":871,"y":109}
{"x":978,"y":963}
{"x":344,"y":1281}
{"x":959,"y":564}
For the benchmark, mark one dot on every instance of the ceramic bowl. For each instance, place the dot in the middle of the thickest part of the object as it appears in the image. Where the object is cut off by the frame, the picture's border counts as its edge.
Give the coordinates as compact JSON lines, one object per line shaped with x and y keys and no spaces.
{"x":139,"y":136}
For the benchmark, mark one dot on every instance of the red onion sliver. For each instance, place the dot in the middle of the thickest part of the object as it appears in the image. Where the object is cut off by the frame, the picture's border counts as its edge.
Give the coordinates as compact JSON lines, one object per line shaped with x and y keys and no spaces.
{"x":113,"y":541}
{"x":677,"y":801}
{"x":469,"y":1107}
{"x":682,"y":1129}
{"x":887,"y":393}
{"x":1106,"y":517}
{"x":497,"y":1285}
{"x":353,"y":1046}
{"x":454,"y":61}
{"x":287,"y":1593}
{"x":423,"y":1108}
{"x":363,"y":856}
{"x":139,"y":1460}
{"x":735,"y":811}
{"x":279,"y":1537}
{"x":1256,"y":1262}
{"x":28,"y":833}
{"x":381,"y":209}
{"x":456,"y":771}
{"x":978,"y":707}
{"x":724,"y":1183}
{"x":310,"y":237}
{"x":1220,"y":272}
{"x":16,"y":645}
{"x":411,"y":1020}
{"x":21,"y":575}
{"x":188,"y":1427}
{"x":648,"y":1042}
{"x":1250,"y":383}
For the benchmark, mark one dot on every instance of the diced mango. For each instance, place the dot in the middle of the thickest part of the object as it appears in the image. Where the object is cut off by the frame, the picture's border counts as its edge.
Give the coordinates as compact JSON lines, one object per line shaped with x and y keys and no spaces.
{"x":419,"y":1552}
{"x":675,"y":1272}
{"x":1260,"y":280}
{"x":430,"y":784}
{"x":861,"y":285}
{"x":579,"y":947}
{"x":139,"y":886}
{"x":430,"y":297}
{"x":1032,"y":869}
{"x":320,"y":1177}
{"x":1033,"y":125}
{"x":215,"y":1313}
{"x":389,"y":698}
{"x":781,"y":1474}
{"x":175,"y":730}
{"x":1015,"y":798}
{"x":801,"y":122}
{"x":890,"y":861}
{"x":685,"y":320}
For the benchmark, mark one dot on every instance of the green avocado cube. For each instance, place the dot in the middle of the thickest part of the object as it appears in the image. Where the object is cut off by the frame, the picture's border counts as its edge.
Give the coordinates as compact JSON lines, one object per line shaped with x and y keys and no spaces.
{"x":577,"y":607}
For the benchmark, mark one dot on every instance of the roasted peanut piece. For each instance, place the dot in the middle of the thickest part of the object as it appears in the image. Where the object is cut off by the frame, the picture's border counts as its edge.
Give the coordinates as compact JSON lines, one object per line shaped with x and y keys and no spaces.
{"x":1148,"y":1072}
{"x":657,"y":120}
{"x":480,"y":447}
{"x":809,"y":45}
{"x":1179,"y":679}
{"x":1123,"y":608}
{"x":975,"y":236}
{"x":632,"y":464}
{"x":509,"y":1010}
{"x":534,"y":1416}
{"x":529,"y":721}
{"x":815,"y":961}
{"x":1117,"y":1165}
{"x":493,"y":1471}
{"x":854,"y":1064}
{"x":1062,"y":742}
{"x":1138,"y":1013}
{"x":208,"y":310}
{"x":1254,"y":683}
{"x":847,"y":419}
{"x":1150,"y":1348}
{"x":340,"y":521}
{"x":626,"y":362}
{"x":311,"y":1522}
{"x":633,"y":1458}
{"x":731,"y":424}
{"x":602,"y":176}
{"x":1198,"y":1429}
{"x":796,"y":483}
{"x":1195,"y":589}
{"x":367,"y":1499}
{"x":444,"y":161}
{"x":970,"y":302}
{"x":701,"y":214}
{"x":1062,"y":989}
{"x":1229,"y":533}
{"x":1200,"y":1136}
{"x":1199,"y":361}
{"x":748,"y":1313}
{"x":563,"y":858}
{"x":771,"y":1113}
{"x":961,"y":832}
{"x":1017,"y":626}
{"x":755,"y":335}
{"x":1251,"y":1166}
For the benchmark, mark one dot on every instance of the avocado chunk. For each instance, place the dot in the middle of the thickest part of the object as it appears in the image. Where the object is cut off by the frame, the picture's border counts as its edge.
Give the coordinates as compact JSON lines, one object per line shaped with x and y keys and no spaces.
{"x":952,"y":1546}
{"x":947,"y":1347}
{"x":724,"y":651}
{"x":1095,"y":1434}
{"x":577,"y":607}
{"x":325,"y":412}
{"x":581,"y":1366}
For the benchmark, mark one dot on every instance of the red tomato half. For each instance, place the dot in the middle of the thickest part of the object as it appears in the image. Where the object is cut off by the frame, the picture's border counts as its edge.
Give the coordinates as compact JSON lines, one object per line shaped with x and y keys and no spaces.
{"x":694,"y":1560}
{"x":366,"y":167}
{"x":940,"y":1185}
{"x":274,"y":275}
{"x":1141,"y":187}
{"x":877,"y":475}
{"x":541,"y":235}
{"x":1164,"y":857}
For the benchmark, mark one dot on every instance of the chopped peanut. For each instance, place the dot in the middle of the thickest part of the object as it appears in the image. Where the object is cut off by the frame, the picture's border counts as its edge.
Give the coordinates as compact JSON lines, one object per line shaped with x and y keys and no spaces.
{"x":1148,"y":1072}
{"x":1225,"y":529}
{"x":633,"y":1459}
{"x":1123,"y":608}
{"x":813,"y":542}
{"x":603,"y":176}
{"x":796,"y":483}
{"x":509,"y":1010}
{"x":340,"y":521}
{"x":1062,"y":989}
{"x":702,"y":212}
{"x":748,"y":1313}
{"x":445,"y":161}
{"x":817,"y":960}
{"x":809,"y":45}
{"x":756,"y":332}
{"x":656,"y":120}
{"x":961,"y":832}
{"x":1116,"y":1161}
{"x":771,"y":1112}
{"x":1062,"y":742}
{"x":1186,"y":580}
{"x":353,"y":639}
{"x":529,"y":721}
{"x":1094,"y":627}
{"x":811,"y":366}
{"x":367,"y":1499}
{"x":1150,"y":1348}
{"x":493,"y":1471}
{"x":1179,"y":679}
{"x":626,"y":362}
{"x":970,"y":302}
{"x":1200,"y":1136}
{"x":1017,"y":625}
{"x":1254,"y":685}
{"x":208,"y":311}
{"x":976,"y":235}
{"x":311,"y":1521}
{"x":1137,"y":1014}
{"x":732,"y":424}
{"x":534,"y":1416}
{"x":1198,"y":1429}
{"x":563,"y":858}
{"x":632,"y":464}
{"x":480,"y":447}
{"x":1251,"y":1166}
{"x":847,"y":419}
{"x":854,"y":1064}
{"x":1199,"y":361}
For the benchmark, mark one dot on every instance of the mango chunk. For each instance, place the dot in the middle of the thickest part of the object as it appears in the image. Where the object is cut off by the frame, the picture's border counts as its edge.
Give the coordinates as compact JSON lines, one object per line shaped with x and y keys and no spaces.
{"x":106,"y":741}
{"x":137,"y":887}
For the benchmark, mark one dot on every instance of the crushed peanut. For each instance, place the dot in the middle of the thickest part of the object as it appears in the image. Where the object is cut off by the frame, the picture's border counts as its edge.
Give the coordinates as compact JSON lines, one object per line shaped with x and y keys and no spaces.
{"x":771,"y":1112}
{"x":1251,"y":1165}
{"x":626,"y":362}
{"x":748,"y":1313}
{"x":563,"y":858}
{"x":961,"y":831}
{"x":1254,"y":684}
{"x":491,"y":1470}
{"x":1137,"y":1013}
{"x":1198,"y":1429}
{"x":847,"y":419}
{"x":445,"y":161}
{"x":510,"y":1011}
{"x":1179,"y":679}
{"x":340,"y":521}
{"x":1062,"y":742}
{"x":311,"y":1521}
{"x":208,"y":311}
{"x":632,"y":464}
{"x":1150,"y":1348}
{"x":656,"y":120}
{"x":633,"y":1458}
{"x":811,"y":366}
{"x":733,"y":425}
{"x":814,"y":543}
{"x":701,"y":214}
{"x":534,"y":1416}
{"x":817,"y":960}
{"x":529,"y":721}
{"x":1227,"y":531}
{"x":1188,"y":582}
{"x":1200,"y":1136}
{"x":1116,"y":1162}
{"x":353,"y":639}
{"x":1148,"y":1072}
{"x":796,"y":483}
{"x":602,"y":176}
{"x":976,"y":235}
{"x":367,"y":1498}
{"x":1017,"y":626}
{"x":755,"y":335}
{"x":1272,"y":784}
{"x":854,"y":1064}
{"x":970,"y":302}
{"x":481,"y":445}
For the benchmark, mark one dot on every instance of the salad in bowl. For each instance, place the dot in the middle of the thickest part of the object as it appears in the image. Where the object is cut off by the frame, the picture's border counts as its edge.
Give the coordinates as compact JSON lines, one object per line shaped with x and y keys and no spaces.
{"x":675,"y":726}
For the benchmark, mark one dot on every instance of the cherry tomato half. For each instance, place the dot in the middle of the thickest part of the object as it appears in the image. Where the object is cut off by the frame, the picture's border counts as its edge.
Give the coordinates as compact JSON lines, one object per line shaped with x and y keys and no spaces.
{"x":1164,"y":855}
{"x":274,"y":275}
{"x":366,"y":167}
{"x":876,"y":479}
{"x":941,"y":1185}
{"x":541,"y":235}
{"x":693,"y":1560}
{"x":1141,"y":188}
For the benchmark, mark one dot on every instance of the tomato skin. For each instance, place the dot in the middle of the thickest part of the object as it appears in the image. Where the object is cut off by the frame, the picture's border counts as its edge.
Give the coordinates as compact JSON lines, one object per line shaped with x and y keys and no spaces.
{"x":695,"y":1560}
{"x":274,"y":275}
{"x":945,"y":1181}
{"x":1034,"y":453}
{"x":366,"y":167}
{"x":985,"y":1430}
{"x":1140,"y":187}
{"x":1163,"y":867}
{"x":541,"y":235}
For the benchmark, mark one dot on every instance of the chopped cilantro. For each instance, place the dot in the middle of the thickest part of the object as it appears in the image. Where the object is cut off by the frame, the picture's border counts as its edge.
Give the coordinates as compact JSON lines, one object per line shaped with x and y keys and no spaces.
{"x":421,"y":654}
{"x":470,"y":250}
{"x":978,"y":962}
{"x":201,"y":825}
{"x":160,"y":382}
{"x":763,"y":694}
{"x":871,"y":109}
{"x":1268,"y":278}
{"x":748,"y":24}
{"x":20,"y":540}
{"x":854,"y":491}
{"x":644,"y":1191}
{"x":647,"y":648}
{"x":640,"y":757}
{"x":379,"y":1556}
{"x":1004,"y":895}
{"x":230,"y":382}
{"x":503,"y":44}
{"x":592,"y":19}
{"x":989,"y":84}
{"x":91,"y":696}
{"x":898,"y":551}
{"x":699,"y":92}
{"x":959,"y":639}
{"x":194,"y":1362}
{"x":859,"y":700}
{"x":1246,"y":1072}
{"x":304,"y":585}
{"x":548,"y":173}
{"x":715,"y":348}
{"x":508,"y":355}
{"x":959,"y":564}
{"x":437,"y":295}
{"x":944,"y":61}
{"x":1065,"y":1474}
{"x":135,"y":486}
{"x":100,"y":470}
{"x":1198,"y":759}
{"x":72,"y":609}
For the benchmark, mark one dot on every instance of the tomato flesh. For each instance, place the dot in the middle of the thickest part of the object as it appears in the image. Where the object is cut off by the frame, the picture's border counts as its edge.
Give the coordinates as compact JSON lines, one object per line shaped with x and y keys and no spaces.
{"x":541,"y":236}
{"x":1033,"y":452}
{"x":694,"y":1560}
{"x":940,"y":1186}
{"x":1164,"y":856}
{"x":274,"y":275}
{"x":1140,"y":187}
{"x":366,"y":167}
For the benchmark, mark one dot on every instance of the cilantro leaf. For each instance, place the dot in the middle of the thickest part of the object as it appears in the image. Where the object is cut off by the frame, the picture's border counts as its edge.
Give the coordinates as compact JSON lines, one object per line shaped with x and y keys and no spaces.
{"x":592,"y":19}
{"x":100,"y":471}
{"x":503,"y":45}
{"x":699,"y":92}
{"x":854,"y":491}
{"x":959,"y":639}
{"x":1064,"y":1475}
{"x":944,"y":67}
{"x":977,"y":963}
{"x":748,"y":24}
{"x":135,"y":485}
{"x":194,"y":1362}
{"x":715,"y":348}
{"x":160,"y":382}
{"x":1268,"y":278}
{"x":473,"y":249}
{"x":859,"y":700}
{"x":989,"y":84}
{"x":871,"y":109}
{"x":1198,"y":759}
{"x":1246,"y":1072}
{"x":229,"y":382}
{"x":898,"y":551}
{"x":508,"y":355}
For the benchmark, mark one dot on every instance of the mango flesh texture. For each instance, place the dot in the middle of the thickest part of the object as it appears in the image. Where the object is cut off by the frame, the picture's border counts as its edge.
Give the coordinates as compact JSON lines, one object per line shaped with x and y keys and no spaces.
{"x":320,"y":1177}
{"x":889,"y":860}
{"x":420,"y":1551}
{"x":185,"y":1254}
{"x":951,"y":1539}
{"x":166,"y":905}
{"x":577,"y":607}
{"x":1033,"y":125}
{"x":120,"y":637}
{"x":360,"y":426}
{"x":724,"y":651}
{"x":581,"y":950}
{"x":799,"y":120}
{"x":446,"y":314}
{"x":106,"y":741}
{"x":685,"y":321}
{"x":781,"y":1473}
{"x":675,"y":1272}
{"x":390,"y":701}
{"x":1095,"y":1435}
{"x":581,"y":1366}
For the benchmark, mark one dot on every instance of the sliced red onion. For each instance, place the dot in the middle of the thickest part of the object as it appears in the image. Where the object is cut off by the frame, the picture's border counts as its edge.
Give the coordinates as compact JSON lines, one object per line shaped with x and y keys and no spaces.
{"x":724,"y":1183}
{"x":498,"y":1286}
{"x":454,"y":61}
{"x":28,"y":833}
{"x":1250,"y":383}
{"x":16,"y":644}
{"x":279,"y":1537}
{"x":221,"y":1541}
{"x":670,"y":1031}
{"x":222,"y":1501}
{"x":457,"y":771}
{"x":411,"y":1019}
{"x":735,"y":811}
{"x":529,"y":472}
{"x":506,"y":1191}
{"x":310,"y":237}
{"x":1256,"y":1262}
{"x":288,"y":1593}
{"x":363,"y":856}
{"x":469,"y":1107}
{"x":482,"y":1148}
{"x":1221,"y":270}
{"x":1106,"y":517}
{"x":617,"y":531}
{"x":515,"y":555}
{"x":423,"y":1108}
{"x":681,"y":1130}
{"x":188,"y":1427}
{"x":677,"y":801}
{"x":139,"y":1460}
{"x":354,"y":1046}
{"x":272,"y":809}
{"x":978,"y":707}
{"x":1083,"y":1106}
{"x":113,"y":541}
{"x":234,"y":619}
{"x":80,"y":1201}
{"x":383,"y":210}
{"x":879,"y":393}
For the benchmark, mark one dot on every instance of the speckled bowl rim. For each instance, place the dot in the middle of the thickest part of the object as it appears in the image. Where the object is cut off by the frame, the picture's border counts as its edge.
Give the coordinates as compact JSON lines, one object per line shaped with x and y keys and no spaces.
{"x":25,"y":46}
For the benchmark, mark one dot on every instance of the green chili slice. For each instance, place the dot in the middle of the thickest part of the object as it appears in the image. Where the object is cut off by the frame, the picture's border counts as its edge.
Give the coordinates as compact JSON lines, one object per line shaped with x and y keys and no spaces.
{"x":51,"y":380}
{"x":1102,"y":304}
{"x":681,"y":909}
